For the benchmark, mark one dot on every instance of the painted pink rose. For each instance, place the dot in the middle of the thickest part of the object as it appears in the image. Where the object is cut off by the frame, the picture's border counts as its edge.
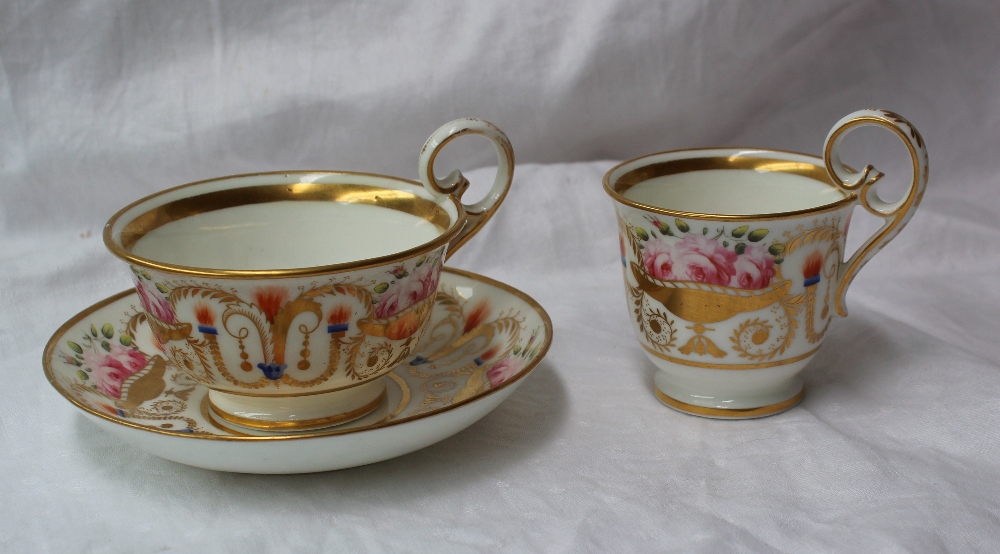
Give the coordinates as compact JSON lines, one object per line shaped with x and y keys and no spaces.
{"x":702,"y":259}
{"x":155,"y":304}
{"x":506,"y":368}
{"x":406,"y":292}
{"x":110,"y":370}
{"x":658,"y":257}
{"x":754,"y":268}
{"x":425,"y":279}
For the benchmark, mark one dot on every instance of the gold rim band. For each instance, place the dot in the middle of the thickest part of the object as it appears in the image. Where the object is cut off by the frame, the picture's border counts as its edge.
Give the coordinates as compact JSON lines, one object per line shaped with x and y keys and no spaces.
{"x":301,"y":425}
{"x":53,"y":343}
{"x":732,"y":413}
{"x":188,"y":206}
{"x":816,"y":171}
{"x":216,"y":200}
{"x":727,"y":367}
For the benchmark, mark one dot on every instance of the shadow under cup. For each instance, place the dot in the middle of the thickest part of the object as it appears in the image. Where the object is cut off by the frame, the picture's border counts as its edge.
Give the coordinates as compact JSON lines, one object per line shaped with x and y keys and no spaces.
{"x":731,"y":261}
{"x":289,"y":295}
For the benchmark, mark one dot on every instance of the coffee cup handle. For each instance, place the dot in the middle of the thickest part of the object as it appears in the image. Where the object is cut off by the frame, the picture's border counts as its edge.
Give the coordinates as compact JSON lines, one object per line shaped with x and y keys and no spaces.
{"x":894,"y":215}
{"x":455,"y":184}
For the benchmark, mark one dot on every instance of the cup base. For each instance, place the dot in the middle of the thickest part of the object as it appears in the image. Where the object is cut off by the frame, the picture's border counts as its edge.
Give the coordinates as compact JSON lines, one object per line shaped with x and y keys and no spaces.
{"x":713,"y":411}
{"x":297,"y":413}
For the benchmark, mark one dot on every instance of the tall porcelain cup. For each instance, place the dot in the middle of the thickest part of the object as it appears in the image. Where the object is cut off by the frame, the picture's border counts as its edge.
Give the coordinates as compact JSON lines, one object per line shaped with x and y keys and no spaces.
{"x":291,"y":294}
{"x":734,"y":262}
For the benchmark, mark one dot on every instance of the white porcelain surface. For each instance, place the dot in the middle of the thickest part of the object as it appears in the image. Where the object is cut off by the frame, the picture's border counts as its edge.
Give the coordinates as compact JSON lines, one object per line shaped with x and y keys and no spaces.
{"x":734,"y":192}
{"x":484,"y":338}
{"x":285,"y":235}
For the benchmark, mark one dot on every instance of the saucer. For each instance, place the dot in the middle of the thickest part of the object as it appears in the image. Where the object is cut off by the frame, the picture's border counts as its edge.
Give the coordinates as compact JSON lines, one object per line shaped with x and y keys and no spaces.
{"x":484,"y":338}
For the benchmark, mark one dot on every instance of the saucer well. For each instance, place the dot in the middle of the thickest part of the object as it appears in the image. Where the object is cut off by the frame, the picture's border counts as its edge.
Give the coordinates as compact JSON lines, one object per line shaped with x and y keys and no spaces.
{"x":483,"y":340}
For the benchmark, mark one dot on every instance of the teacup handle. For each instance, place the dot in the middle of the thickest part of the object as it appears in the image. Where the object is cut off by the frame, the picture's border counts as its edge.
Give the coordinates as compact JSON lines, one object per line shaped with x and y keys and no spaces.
{"x":456,"y":184}
{"x":896,"y":214}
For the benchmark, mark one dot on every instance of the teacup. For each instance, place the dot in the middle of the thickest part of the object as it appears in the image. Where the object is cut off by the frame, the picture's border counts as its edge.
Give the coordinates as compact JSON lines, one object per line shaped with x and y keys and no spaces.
{"x":733,"y":262}
{"x":290,"y":295}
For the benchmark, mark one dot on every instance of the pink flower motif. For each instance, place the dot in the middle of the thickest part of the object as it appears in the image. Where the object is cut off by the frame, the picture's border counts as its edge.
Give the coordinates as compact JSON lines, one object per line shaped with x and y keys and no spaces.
{"x":155,"y":304}
{"x":658,"y":257}
{"x":754,"y":268}
{"x":506,"y":368}
{"x":404,"y":293}
{"x":110,"y":370}
{"x":703,"y":259}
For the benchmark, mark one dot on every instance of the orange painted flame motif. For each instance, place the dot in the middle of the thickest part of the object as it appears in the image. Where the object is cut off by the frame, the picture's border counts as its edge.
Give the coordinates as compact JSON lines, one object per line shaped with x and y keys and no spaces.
{"x":270,"y":300}
{"x":480,"y":311}
{"x":813,"y":265}
{"x":490,"y":353}
{"x":339,"y":315}
{"x":204,"y":314}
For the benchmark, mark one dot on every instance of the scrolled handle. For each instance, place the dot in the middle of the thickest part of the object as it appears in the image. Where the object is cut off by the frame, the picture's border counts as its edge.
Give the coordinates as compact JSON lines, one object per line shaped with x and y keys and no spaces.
{"x":896,"y":214}
{"x":455,"y":184}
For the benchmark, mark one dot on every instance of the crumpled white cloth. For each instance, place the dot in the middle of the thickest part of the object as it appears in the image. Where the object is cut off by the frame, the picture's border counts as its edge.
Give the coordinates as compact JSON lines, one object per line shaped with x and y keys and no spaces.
{"x":894,"y":448}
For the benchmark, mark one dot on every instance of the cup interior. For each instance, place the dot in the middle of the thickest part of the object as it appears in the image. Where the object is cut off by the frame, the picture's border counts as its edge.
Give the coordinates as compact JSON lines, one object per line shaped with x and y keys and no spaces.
{"x":727,"y":182}
{"x":282,"y":221}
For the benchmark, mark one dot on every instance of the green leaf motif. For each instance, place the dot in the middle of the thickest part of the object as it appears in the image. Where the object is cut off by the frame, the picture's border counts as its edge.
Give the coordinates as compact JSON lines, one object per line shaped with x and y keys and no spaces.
{"x":162,"y":288}
{"x":756,"y":235}
{"x":776,"y":250}
{"x":778,"y":260}
{"x":75,"y":347}
{"x":145,"y":274}
{"x":381,"y":287}
{"x":664,"y":228}
{"x":82,"y":375}
{"x":704,"y":230}
{"x":126,"y":340}
{"x":681,"y":226}
{"x":106,"y":346}
{"x":740,"y":231}
{"x":641,"y":233}
{"x":93,"y":330}
{"x":108,"y":331}
{"x":740,"y":247}
{"x":725,"y":243}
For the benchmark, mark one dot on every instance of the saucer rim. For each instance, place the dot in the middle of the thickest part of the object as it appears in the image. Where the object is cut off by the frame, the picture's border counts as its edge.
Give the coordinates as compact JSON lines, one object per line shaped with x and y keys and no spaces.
{"x":48,"y":354}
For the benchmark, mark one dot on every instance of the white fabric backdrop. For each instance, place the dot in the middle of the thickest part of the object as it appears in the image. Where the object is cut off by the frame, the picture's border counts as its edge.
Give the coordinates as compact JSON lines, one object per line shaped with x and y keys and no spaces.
{"x":895,"y":447}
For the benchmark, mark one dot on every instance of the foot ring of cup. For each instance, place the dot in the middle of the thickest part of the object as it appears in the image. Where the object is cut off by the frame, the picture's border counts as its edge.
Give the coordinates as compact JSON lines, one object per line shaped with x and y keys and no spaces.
{"x":298,"y":425}
{"x":729,"y":413}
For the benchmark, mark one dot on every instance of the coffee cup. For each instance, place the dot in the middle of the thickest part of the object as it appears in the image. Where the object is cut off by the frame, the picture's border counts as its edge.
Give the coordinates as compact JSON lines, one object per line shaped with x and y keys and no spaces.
{"x":734,"y":262}
{"x":289,"y":295}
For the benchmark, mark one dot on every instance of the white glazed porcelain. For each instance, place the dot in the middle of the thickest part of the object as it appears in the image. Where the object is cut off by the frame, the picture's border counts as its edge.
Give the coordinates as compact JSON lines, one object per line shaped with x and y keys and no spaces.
{"x":483,"y":339}
{"x":290,"y":295}
{"x":733,"y":262}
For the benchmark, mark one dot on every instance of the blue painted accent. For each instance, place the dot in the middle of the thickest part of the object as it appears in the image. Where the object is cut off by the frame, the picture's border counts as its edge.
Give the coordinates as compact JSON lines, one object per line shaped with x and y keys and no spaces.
{"x":810,"y":281}
{"x":478,"y":361}
{"x":419,"y":360}
{"x":121,"y":413}
{"x":207,"y":330}
{"x":187,"y":430}
{"x":338,"y":328}
{"x":272,"y":370}
{"x":624,"y":264}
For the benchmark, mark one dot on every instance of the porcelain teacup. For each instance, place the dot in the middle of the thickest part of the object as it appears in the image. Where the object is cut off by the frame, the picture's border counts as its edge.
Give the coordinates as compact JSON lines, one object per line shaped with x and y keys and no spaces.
{"x":733,"y":262}
{"x":289,"y":295}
